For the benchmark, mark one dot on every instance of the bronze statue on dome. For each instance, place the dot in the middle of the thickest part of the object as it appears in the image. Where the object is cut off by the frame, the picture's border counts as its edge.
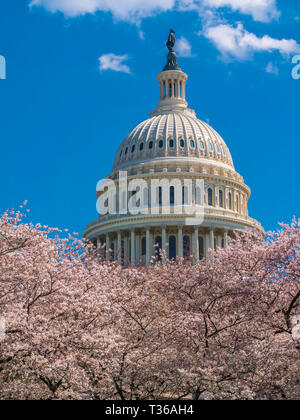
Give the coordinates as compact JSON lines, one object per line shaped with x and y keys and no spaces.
{"x":172,"y":57}
{"x":171,"y":41}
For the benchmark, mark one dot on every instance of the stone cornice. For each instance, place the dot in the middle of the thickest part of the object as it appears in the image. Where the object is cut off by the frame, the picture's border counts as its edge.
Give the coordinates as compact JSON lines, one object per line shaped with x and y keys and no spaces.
{"x":131,"y":222}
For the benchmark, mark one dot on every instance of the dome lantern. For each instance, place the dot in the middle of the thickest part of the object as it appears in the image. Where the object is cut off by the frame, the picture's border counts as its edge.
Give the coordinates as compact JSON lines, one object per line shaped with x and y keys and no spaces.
{"x":172,"y":81}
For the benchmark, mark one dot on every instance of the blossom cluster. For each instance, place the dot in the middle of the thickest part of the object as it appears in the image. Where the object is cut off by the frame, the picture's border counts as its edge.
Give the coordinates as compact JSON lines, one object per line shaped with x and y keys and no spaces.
{"x":226,"y":328}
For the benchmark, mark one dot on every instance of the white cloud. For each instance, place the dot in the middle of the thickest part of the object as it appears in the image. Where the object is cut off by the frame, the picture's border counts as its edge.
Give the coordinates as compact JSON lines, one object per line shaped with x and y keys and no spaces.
{"x":183,"y":47}
{"x":135,"y":10}
{"x":260,"y":10}
{"x":272,"y":69}
{"x":236,"y":42}
{"x":114,"y":62}
{"x":130,"y":10}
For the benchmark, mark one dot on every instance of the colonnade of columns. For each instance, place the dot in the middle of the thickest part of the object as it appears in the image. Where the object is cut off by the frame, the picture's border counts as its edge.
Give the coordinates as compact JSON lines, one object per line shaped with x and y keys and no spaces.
{"x":138,"y":246}
{"x":172,"y":88}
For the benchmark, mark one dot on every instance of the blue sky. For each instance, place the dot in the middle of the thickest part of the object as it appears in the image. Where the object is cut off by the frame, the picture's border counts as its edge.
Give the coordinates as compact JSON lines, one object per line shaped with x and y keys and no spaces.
{"x":82,"y":73}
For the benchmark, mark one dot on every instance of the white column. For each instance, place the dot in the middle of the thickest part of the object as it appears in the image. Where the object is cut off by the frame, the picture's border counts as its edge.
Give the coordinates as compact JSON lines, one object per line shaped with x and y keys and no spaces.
{"x":180,"y":242}
{"x":225,"y":199}
{"x":183,"y":90}
{"x":132,"y":247}
{"x":211,"y":239}
{"x":148,"y":246}
{"x":119,"y":250}
{"x":178,"y":88}
{"x":173,"y":88}
{"x":138,"y":249}
{"x":196,"y":244}
{"x":107,"y":248}
{"x":233,"y":200}
{"x":161,"y":90}
{"x":206,"y":244}
{"x":225,"y":238}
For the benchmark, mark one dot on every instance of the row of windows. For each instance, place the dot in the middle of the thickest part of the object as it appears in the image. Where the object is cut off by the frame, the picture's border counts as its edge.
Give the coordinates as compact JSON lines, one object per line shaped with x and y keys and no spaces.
{"x":197,"y":196}
{"x":185,"y":198}
{"x":184,"y":195}
{"x":171,"y":145}
{"x":221,"y":198}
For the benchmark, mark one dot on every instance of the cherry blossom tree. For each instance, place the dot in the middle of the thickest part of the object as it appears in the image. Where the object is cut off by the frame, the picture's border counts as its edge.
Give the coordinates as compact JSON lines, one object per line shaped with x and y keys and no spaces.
{"x":80,"y":329}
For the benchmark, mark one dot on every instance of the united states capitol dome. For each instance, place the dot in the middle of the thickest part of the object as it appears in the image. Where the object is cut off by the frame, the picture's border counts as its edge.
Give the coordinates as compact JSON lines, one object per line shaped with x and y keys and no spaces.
{"x":168,"y":170}
{"x":172,"y":134}
{"x":173,"y":131}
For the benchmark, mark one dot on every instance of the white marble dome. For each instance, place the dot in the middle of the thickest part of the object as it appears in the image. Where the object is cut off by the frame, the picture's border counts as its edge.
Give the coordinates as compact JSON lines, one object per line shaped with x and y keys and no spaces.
{"x":171,"y":148}
{"x":172,"y":134}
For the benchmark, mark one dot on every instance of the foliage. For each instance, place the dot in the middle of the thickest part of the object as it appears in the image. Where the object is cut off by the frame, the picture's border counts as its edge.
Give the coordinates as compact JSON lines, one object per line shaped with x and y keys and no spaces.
{"x":78,"y":329}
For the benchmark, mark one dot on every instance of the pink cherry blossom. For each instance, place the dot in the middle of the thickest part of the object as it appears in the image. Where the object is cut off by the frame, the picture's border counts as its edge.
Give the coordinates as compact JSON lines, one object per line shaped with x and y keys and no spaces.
{"x":80,"y":329}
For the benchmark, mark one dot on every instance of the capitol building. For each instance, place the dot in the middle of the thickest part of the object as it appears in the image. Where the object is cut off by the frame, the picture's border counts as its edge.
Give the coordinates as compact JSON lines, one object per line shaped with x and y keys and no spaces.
{"x":178,"y":159}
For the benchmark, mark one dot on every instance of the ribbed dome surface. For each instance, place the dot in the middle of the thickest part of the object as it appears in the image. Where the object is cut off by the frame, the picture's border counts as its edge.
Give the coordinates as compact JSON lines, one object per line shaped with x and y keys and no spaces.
{"x":174,"y":134}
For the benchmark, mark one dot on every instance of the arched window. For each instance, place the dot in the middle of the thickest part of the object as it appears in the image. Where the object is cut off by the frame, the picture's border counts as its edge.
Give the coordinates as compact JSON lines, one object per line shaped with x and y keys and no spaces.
{"x":171,"y":143}
{"x":160,"y":196}
{"x":172,"y":248}
{"x":221,"y":199}
{"x":201,"y":247}
{"x":186,"y":247}
{"x":133,"y":148}
{"x":141,"y":146}
{"x":181,"y":142}
{"x":150,"y":145}
{"x":185,"y":195}
{"x":121,"y":153}
{"x":172,"y":195}
{"x":158,"y":247}
{"x":192,"y":144}
{"x":126,"y":150}
{"x":143,"y":246}
{"x":210,"y":147}
{"x":202,"y":145}
{"x":161,"y":144}
{"x":230,"y":201}
{"x":210,"y":197}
